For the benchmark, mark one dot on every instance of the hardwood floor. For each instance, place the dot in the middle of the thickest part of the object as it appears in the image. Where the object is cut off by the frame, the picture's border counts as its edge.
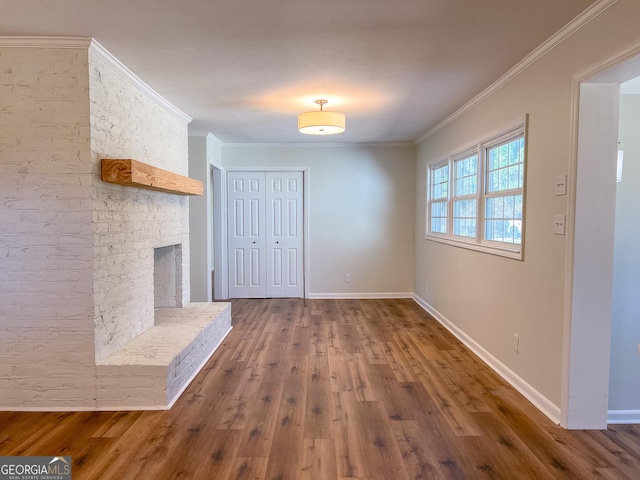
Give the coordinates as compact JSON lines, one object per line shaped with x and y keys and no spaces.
{"x":331,"y":389}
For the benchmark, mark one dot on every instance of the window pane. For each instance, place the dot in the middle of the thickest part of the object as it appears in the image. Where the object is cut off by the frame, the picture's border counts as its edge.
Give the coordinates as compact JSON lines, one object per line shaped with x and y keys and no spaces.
{"x":509,"y":206}
{"x":464,"y":227}
{"x":438,"y":200}
{"x":440,"y":182}
{"x":466,"y":170}
{"x":438,"y":209}
{"x":438,"y":217}
{"x":494,"y":184}
{"x":506,"y":166}
{"x":515,"y":179}
{"x":464,"y":217}
{"x":465,"y":208}
{"x":503,"y":219}
{"x":439,"y":225}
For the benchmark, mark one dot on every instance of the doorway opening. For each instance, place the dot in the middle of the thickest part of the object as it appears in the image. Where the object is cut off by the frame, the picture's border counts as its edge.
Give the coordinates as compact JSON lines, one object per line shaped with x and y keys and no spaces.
{"x":590,"y":243}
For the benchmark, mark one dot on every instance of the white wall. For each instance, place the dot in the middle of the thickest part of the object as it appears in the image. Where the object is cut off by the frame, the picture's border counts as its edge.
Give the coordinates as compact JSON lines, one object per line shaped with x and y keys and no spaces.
{"x":490,"y":298}
{"x":361,"y":213}
{"x":624,"y":390}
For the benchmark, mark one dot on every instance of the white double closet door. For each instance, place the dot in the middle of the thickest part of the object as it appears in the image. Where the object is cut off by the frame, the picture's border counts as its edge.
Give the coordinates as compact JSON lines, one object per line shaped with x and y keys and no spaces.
{"x":265,"y":225}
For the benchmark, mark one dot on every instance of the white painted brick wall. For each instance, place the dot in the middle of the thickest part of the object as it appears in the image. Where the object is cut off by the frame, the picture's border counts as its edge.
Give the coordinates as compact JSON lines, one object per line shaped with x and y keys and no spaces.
{"x":76,"y":254}
{"x":130,"y":222}
{"x":46,"y":234}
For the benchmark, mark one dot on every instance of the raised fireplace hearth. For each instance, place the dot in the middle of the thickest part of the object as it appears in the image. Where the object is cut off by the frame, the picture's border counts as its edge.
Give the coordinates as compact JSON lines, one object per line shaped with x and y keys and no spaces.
{"x":152,"y":370}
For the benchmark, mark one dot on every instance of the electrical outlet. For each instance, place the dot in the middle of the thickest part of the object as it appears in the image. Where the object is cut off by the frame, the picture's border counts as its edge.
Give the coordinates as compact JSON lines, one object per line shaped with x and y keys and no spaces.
{"x":516,"y":343}
{"x":426,"y":288}
{"x":347,"y":278}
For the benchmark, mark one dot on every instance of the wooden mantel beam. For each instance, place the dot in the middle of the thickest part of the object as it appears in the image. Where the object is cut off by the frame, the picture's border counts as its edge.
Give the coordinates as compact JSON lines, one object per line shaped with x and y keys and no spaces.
{"x":137,"y":174}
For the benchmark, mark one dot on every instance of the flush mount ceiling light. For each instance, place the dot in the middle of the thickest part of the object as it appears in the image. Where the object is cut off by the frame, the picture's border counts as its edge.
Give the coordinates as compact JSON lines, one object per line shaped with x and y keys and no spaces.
{"x":321,"y":122}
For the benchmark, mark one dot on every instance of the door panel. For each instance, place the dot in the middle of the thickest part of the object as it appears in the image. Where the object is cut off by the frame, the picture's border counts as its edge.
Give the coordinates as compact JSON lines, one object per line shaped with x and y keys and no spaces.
{"x":265,"y":234}
{"x":247,"y":270}
{"x":284,"y":238}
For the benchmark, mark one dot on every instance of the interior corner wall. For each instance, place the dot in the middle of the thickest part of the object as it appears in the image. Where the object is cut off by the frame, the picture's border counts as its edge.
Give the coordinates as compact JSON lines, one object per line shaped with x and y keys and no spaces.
{"x":490,"y":298}
{"x":624,"y":393}
{"x":217,"y":196}
{"x":361,"y":211}
{"x":126,"y":122}
{"x":46,"y":230}
{"x":200,"y":221}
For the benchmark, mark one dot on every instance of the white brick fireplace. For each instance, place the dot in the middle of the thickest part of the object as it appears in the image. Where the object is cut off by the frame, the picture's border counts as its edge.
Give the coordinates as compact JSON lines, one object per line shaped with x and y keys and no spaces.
{"x":79,"y":258}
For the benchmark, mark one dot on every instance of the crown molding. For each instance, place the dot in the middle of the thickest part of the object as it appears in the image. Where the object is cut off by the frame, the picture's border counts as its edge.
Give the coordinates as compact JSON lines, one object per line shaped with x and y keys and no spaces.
{"x":93,"y":46}
{"x":204,"y":134}
{"x":321,"y":145}
{"x":128,"y":75}
{"x":45,"y":42}
{"x":569,"y":29}
{"x":213,"y":138}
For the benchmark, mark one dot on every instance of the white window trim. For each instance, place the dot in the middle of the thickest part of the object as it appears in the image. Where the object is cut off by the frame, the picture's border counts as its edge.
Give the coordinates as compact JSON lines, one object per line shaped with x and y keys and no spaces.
{"x":430,"y":169}
{"x":480,"y":146}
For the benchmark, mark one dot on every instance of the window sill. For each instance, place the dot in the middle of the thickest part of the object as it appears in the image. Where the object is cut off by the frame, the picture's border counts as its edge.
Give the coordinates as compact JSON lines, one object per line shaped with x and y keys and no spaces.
{"x":507,"y":251}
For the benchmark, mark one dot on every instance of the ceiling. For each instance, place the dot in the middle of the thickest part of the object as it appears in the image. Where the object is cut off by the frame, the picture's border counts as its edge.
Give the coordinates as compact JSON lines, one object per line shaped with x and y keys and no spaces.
{"x":244,"y":69}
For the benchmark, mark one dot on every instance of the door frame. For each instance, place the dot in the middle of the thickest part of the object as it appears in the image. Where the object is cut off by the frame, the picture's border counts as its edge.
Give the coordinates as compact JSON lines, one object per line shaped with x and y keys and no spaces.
{"x":587,"y":311}
{"x":219,"y":199}
{"x":305,"y":218}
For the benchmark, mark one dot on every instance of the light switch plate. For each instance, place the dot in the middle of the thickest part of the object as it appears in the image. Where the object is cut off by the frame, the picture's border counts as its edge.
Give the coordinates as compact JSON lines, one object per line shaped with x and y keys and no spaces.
{"x":558,"y":225}
{"x":561,"y":185}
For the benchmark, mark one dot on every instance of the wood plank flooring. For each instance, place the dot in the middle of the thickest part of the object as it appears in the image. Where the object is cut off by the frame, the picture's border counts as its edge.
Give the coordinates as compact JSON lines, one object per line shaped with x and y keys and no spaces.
{"x":335,"y":390}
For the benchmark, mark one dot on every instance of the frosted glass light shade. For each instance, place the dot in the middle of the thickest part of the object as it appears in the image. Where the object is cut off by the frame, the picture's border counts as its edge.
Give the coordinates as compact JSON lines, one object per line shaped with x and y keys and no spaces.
{"x":321,"y":123}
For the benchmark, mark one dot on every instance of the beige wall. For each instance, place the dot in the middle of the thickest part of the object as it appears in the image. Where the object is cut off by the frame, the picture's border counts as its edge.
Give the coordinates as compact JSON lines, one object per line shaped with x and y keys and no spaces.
{"x":360,"y":213}
{"x":491,"y":298}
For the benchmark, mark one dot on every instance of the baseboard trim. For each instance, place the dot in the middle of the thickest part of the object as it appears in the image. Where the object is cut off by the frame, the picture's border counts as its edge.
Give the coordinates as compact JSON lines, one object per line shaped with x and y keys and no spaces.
{"x":628,"y":417}
{"x":81,"y":409}
{"x":360,"y":295}
{"x":541,"y":402}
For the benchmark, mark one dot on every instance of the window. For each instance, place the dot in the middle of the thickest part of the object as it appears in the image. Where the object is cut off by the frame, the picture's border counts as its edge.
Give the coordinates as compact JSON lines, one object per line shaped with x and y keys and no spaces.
{"x":503,"y":207}
{"x":483,"y":207}
{"x":465,"y":201}
{"x":439,"y":199}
